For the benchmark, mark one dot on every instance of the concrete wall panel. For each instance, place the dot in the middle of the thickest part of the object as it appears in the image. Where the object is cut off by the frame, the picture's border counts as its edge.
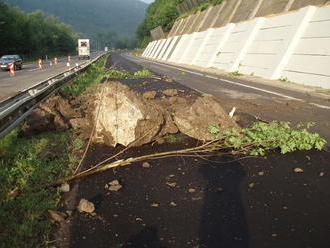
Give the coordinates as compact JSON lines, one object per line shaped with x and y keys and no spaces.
{"x":240,"y":38}
{"x":181,"y":48}
{"x":209,"y":18}
{"x":174,"y":42}
{"x":146,"y":50}
{"x":310,"y":61}
{"x":153,"y":43}
{"x":163,"y":50}
{"x":159,"y":49}
{"x":271,"y":44}
{"x":154,"y":50}
{"x":196,"y":42}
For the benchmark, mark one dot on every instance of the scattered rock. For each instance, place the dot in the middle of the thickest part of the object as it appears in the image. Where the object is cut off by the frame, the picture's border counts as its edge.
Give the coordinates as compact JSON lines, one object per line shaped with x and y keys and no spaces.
{"x":172,"y":185}
{"x":251,"y":185}
{"x":125,"y":117}
{"x":298,"y":170}
{"x":322,"y":174}
{"x":160,"y":140}
{"x":139,"y":219}
{"x":261,"y":173}
{"x":274,"y":235}
{"x":191,"y":190}
{"x":113,"y":186}
{"x":220,"y":189}
{"x":170,"y":92}
{"x":194,"y":119}
{"x":308,"y":157}
{"x":86,"y":206}
{"x":155,"y":205}
{"x":57,"y":216}
{"x":173,"y":204}
{"x":65,"y":187}
{"x":150,"y":94}
{"x":146,"y":165}
{"x":69,"y":212}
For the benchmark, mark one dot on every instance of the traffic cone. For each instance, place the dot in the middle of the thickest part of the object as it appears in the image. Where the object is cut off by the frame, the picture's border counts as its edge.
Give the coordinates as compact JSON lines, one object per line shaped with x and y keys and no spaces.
{"x":40,"y":64}
{"x":12,"y":70}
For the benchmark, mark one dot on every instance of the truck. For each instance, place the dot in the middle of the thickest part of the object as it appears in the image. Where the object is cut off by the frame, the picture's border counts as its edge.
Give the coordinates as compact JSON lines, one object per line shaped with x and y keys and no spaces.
{"x":84,"y":49}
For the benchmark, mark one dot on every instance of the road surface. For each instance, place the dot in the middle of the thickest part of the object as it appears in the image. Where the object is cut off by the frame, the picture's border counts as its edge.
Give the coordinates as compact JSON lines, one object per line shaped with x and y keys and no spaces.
{"x":31,"y":75}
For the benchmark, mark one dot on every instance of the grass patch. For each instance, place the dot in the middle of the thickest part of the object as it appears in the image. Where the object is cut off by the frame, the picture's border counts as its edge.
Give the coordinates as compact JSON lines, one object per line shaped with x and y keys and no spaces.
{"x":235,"y":74}
{"x":113,"y":72}
{"x":88,"y":79}
{"x":24,"y":220}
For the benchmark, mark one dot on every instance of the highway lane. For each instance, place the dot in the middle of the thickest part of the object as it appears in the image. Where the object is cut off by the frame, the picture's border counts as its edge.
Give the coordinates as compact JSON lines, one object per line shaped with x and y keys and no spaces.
{"x":31,"y":75}
{"x":262,"y":100}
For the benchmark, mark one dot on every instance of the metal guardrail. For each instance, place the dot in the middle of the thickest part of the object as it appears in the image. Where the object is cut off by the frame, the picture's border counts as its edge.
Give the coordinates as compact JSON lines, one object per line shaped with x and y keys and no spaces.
{"x":17,"y":108}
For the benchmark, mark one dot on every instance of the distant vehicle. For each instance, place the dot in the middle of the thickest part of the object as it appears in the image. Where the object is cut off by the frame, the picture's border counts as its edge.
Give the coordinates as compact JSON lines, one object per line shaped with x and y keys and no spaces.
{"x":84,"y":49}
{"x":106,"y":49}
{"x":6,"y":60}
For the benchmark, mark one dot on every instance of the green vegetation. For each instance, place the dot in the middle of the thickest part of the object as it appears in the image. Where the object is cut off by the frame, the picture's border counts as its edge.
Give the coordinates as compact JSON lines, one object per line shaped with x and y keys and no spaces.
{"x":235,"y":74}
{"x":143,"y":74}
{"x":33,"y":35}
{"x":25,"y":165}
{"x":262,"y":137}
{"x":182,"y":73}
{"x":284,"y":79}
{"x":122,"y":74}
{"x":91,"y":77}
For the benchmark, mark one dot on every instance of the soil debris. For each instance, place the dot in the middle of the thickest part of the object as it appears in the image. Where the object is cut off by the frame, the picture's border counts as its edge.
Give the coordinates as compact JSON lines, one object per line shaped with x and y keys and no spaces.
{"x":146,"y":165}
{"x":86,"y":206}
{"x":170,"y":92}
{"x":150,"y":94}
{"x":57,"y":216}
{"x":113,"y":186}
{"x":298,"y":170}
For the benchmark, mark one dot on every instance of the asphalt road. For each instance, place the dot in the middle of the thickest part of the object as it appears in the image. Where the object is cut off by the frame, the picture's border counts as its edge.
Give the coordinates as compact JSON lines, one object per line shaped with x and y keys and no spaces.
{"x":31,"y":75}
{"x":265,"y":101}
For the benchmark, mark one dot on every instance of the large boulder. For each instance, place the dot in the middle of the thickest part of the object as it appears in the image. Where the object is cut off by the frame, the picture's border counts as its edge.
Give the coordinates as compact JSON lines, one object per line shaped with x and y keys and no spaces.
{"x":124,"y":117}
{"x":194,"y":119}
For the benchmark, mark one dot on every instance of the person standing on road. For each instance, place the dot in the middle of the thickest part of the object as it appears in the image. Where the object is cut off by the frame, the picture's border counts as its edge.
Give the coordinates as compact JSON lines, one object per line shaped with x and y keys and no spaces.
{"x":40,"y":64}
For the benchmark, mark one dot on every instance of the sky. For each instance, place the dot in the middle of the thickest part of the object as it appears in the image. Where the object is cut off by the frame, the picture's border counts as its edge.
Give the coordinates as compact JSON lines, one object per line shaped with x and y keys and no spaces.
{"x":148,"y":1}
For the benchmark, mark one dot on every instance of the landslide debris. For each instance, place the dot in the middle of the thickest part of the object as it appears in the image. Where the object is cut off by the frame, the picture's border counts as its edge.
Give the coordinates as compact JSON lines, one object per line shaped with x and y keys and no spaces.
{"x":131,"y":113}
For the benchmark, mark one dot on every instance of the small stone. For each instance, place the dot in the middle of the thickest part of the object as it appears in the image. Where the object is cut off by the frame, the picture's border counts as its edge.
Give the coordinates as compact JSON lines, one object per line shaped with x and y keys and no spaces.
{"x":57,"y":216}
{"x":139,"y":219}
{"x":172,"y":175}
{"x":65,"y":187}
{"x":69,"y":212}
{"x":172,"y":185}
{"x":220,"y":189}
{"x":83,"y":237}
{"x":146,"y":165}
{"x":150,"y":94}
{"x":173,"y":204}
{"x":191,"y":190}
{"x":285,"y":208}
{"x":160,"y":140}
{"x":298,"y":170}
{"x":86,"y":206}
{"x":251,"y":185}
{"x":170,"y":92}
{"x":261,"y":173}
{"x":115,"y":188}
{"x":308,"y":157}
{"x":274,"y":235}
{"x":155,"y":205}
{"x":114,"y":183}
{"x":322,"y":174}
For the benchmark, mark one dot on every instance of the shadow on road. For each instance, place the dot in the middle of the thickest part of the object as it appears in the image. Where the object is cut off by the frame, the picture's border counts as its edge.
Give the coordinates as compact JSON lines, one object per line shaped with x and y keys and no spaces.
{"x":223,"y":222}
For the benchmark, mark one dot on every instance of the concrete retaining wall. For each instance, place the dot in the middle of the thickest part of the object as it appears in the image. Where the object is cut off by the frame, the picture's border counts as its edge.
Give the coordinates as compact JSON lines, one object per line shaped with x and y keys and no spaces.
{"x":294,"y":46}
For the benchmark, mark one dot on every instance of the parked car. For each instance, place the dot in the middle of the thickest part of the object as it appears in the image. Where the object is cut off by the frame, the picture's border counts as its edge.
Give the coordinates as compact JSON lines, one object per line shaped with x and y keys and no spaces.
{"x":6,"y":60}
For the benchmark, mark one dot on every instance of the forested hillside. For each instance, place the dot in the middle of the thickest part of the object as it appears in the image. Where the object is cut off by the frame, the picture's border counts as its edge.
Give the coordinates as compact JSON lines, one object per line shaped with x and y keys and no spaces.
{"x":34,"y":34}
{"x":92,"y":17}
{"x":164,"y":13}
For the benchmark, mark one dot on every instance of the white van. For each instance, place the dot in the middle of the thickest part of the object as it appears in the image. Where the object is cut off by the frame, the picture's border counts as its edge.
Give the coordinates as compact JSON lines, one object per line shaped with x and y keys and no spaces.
{"x":84,"y":49}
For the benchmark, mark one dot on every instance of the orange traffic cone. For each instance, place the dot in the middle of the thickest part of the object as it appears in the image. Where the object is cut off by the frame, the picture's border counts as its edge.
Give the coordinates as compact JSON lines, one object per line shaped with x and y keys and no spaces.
{"x":12,"y":70}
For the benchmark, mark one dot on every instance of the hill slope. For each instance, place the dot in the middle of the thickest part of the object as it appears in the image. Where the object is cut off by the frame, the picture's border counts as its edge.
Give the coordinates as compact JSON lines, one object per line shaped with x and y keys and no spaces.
{"x":91,"y":17}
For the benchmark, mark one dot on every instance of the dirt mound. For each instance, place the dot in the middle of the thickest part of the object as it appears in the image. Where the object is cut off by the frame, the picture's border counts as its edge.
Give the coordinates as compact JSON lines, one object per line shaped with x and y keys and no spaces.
{"x":58,"y":113}
{"x":126,"y":117}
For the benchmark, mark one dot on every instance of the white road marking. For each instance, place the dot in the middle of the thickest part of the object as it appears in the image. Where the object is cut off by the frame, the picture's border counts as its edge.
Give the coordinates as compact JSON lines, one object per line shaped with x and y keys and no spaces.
{"x":239,"y":84}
